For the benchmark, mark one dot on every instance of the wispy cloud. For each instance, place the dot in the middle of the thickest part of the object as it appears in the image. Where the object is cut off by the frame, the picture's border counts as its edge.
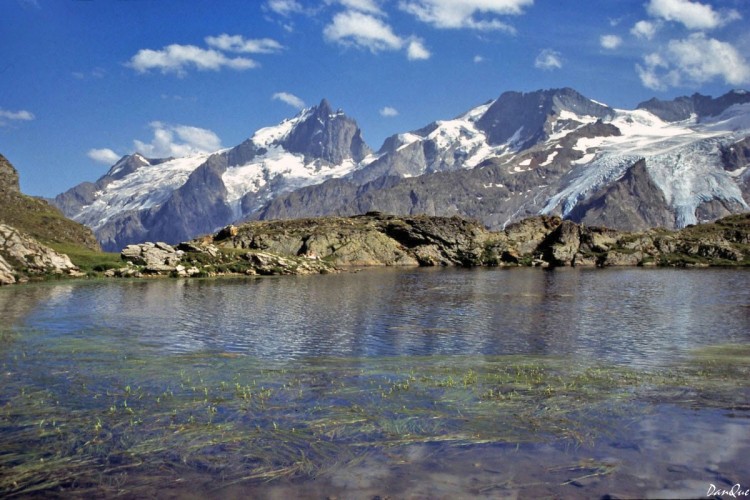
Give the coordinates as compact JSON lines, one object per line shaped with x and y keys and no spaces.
{"x":644,"y":29}
{"x":284,"y":7}
{"x":238,"y":43}
{"x":548,"y":59}
{"x":16,"y":115}
{"x":478,"y":59}
{"x":94,"y":73}
{"x":177,"y":140}
{"x":104,"y":155}
{"x":289,"y":99}
{"x":693,"y":15}
{"x":610,"y":42}
{"x":388,"y":112}
{"x":8,"y":116}
{"x":694,"y":60}
{"x":369,"y":6}
{"x":179,"y":58}
{"x":471,"y":14}
{"x":415,"y":50}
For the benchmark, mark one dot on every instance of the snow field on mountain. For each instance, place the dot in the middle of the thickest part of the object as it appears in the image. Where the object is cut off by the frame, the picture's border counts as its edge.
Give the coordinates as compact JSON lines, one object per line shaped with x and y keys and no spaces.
{"x":682,"y":158}
{"x":149,"y":186}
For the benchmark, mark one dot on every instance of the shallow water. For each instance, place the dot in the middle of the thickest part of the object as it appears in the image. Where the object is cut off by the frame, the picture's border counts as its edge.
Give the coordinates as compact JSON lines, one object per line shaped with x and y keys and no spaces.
{"x":437,"y":383}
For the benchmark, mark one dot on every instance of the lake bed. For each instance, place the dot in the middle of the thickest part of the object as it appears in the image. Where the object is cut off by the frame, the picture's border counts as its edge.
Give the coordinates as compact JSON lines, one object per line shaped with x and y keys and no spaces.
{"x":404,"y":383}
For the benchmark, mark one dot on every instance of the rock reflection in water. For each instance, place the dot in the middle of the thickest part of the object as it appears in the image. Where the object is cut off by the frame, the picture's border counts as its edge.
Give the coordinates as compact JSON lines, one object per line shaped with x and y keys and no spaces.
{"x":634,"y":316}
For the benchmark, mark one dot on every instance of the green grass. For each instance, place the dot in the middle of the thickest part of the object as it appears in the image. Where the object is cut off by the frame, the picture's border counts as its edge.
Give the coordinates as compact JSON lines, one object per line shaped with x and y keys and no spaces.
{"x":89,"y":261}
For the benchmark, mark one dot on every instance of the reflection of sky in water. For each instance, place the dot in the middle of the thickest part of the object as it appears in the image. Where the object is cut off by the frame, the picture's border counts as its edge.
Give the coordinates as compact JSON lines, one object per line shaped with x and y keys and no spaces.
{"x":632,"y":315}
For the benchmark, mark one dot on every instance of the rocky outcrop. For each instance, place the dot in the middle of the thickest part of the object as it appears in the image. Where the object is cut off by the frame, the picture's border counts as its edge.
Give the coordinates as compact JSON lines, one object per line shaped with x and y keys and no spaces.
{"x":22,"y":257}
{"x":37,"y":218}
{"x":331,"y":244}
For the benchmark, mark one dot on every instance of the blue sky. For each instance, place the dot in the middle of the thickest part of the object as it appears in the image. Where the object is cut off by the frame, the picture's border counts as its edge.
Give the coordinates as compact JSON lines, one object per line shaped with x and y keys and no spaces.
{"x":84,"y":82}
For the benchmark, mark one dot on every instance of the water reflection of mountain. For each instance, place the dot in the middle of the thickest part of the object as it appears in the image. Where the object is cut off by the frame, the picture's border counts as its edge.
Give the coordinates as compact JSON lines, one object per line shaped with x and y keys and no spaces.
{"x":634,"y":316}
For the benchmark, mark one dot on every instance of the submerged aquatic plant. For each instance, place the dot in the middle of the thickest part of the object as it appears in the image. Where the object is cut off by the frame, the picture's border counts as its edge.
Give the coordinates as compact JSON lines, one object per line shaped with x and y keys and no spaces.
{"x":106,"y":419}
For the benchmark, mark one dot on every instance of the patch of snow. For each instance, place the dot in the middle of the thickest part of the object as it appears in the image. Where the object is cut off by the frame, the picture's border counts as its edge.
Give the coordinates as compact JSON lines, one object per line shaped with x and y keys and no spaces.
{"x":267,"y":136}
{"x":549,"y":160}
{"x":515,"y":138}
{"x":525,"y":163}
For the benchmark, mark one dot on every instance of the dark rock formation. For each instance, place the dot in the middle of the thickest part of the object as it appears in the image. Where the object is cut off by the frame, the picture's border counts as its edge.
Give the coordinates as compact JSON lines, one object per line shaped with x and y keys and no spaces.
{"x":304,"y":246}
{"x":702,"y":106}
{"x":524,"y":117}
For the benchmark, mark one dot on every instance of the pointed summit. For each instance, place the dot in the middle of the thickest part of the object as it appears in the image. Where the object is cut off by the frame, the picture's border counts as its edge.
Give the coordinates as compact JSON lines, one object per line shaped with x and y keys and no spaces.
{"x":324,"y":107}
{"x":327,"y":135}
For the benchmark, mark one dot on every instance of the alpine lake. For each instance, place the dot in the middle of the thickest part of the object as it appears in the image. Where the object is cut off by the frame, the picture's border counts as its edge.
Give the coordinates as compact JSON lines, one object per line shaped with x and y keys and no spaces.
{"x":384,"y":383}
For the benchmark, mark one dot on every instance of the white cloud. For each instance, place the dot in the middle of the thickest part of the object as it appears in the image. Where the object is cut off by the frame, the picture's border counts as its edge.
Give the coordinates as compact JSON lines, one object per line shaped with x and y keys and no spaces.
{"x":694,"y":60}
{"x":478,"y":59}
{"x":237,"y":43}
{"x":368,"y":6}
{"x":644,"y":30}
{"x":362,"y":30}
{"x":289,"y":99}
{"x":388,"y":111}
{"x":178,"y":58}
{"x":465,"y":13}
{"x":22,"y":115}
{"x":104,"y":155}
{"x":285,"y":7}
{"x":610,"y":42}
{"x":178,"y":140}
{"x":415,"y":50}
{"x":548,"y":59}
{"x":693,"y":15}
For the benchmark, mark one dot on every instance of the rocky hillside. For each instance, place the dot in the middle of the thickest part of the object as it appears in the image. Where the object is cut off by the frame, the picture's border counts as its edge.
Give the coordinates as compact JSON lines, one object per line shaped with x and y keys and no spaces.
{"x":36,"y":217}
{"x":29,"y":227}
{"x":322,"y":245}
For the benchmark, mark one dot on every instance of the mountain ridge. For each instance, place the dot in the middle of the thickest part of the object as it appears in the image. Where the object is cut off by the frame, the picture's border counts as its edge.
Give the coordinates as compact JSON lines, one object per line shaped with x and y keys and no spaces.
{"x":550,"y":152}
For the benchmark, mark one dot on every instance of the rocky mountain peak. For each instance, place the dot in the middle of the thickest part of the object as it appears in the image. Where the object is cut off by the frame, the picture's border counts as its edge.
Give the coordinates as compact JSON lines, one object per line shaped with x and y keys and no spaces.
{"x":701,"y":106}
{"x":326,"y":135}
{"x":522,"y":118}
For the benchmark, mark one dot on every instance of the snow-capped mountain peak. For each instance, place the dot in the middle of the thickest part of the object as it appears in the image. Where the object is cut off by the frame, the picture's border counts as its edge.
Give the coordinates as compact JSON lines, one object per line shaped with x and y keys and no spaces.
{"x":668,"y":163}
{"x":269,"y":136}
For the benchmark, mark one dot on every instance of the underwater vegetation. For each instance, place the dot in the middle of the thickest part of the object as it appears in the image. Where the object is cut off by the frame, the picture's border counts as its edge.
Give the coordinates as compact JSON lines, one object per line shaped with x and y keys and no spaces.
{"x":101,"y":418}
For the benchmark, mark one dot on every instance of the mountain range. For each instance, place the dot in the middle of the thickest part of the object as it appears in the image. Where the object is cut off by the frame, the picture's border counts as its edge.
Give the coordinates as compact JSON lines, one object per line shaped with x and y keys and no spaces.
{"x":550,"y":152}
